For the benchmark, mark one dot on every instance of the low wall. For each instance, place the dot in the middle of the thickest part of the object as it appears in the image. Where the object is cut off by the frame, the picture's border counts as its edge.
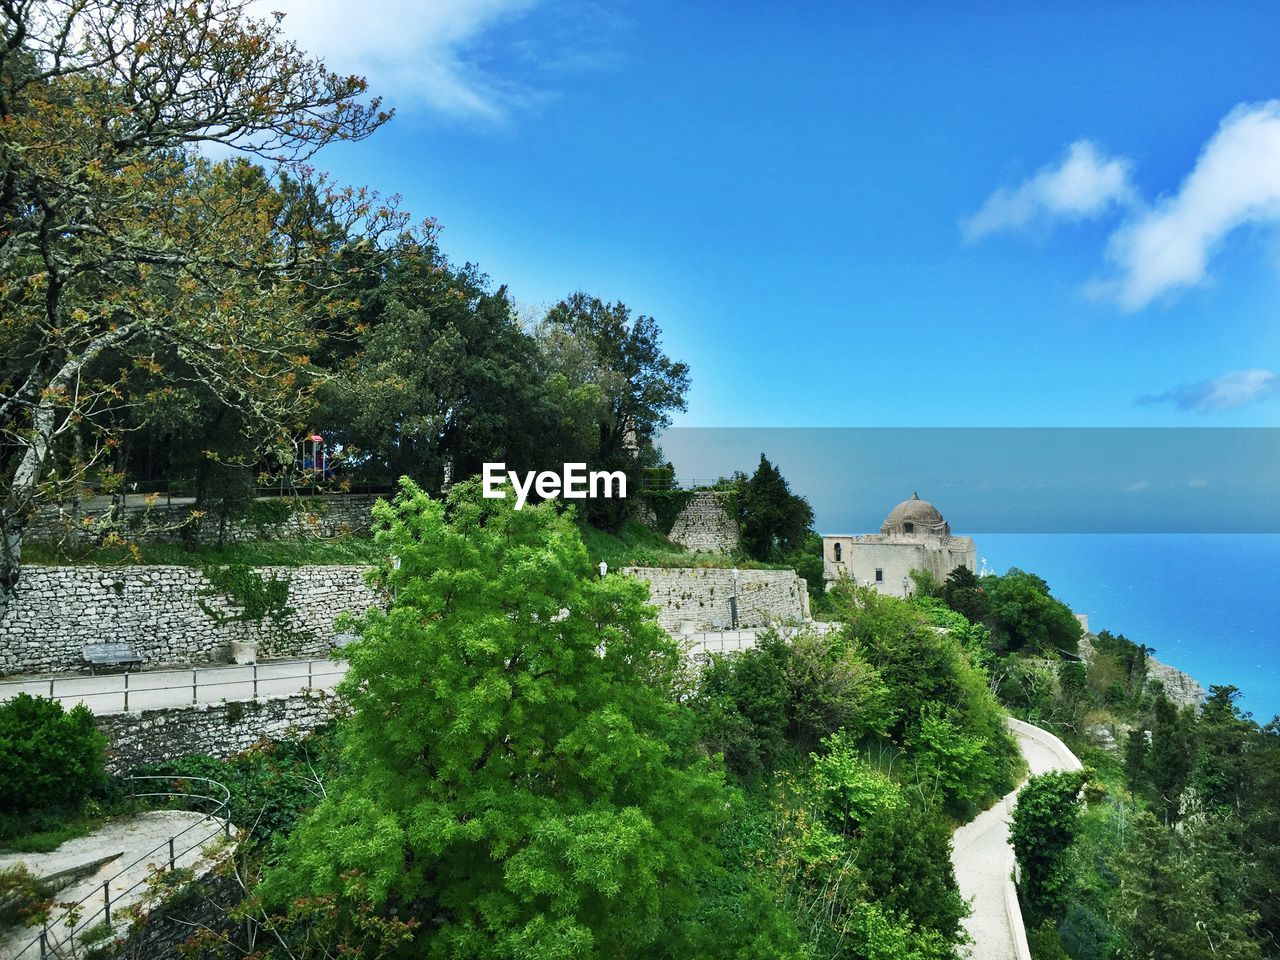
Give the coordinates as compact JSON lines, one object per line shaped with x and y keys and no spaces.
{"x":169,"y":615}
{"x":697,"y":599}
{"x":1066,"y":760}
{"x":216,"y":729}
{"x":162,"y":520}
{"x":200,"y":909}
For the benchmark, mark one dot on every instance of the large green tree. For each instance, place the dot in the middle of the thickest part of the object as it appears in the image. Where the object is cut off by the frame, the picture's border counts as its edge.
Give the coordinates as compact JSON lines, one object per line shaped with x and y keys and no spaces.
{"x":1179,"y":895}
{"x":621,"y":353}
{"x":441,"y":378}
{"x":775,"y":521}
{"x":1023,"y":614}
{"x":517,"y":775}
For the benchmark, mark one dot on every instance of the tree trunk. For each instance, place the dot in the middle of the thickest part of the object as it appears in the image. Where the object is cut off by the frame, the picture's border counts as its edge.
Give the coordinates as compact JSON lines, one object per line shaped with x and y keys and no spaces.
{"x":10,"y":556}
{"x":24,"y":489}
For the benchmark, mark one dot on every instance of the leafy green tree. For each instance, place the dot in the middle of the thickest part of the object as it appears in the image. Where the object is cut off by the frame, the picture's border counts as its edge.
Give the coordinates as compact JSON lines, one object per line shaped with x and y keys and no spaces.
{"x":831,"y":688}
{"x":622,"y":355}
{"x":443,"y":378}
{"x":121,"y":241}
{"x":930,"y":680}
{"x":1179,"y":897}
{"x":1045,"y":823}
{"x":775,"y":521}
{"x":516,"y":775}
{"x":742,"y":705}
{"x":1223,"y":774}
{"x":963,"y":593}
{"x":902,"y":848}
{"x":1170,"y":758}
{"x":1023,"y":614}
{"x":947,"y":758}
{"x":906,"y":858}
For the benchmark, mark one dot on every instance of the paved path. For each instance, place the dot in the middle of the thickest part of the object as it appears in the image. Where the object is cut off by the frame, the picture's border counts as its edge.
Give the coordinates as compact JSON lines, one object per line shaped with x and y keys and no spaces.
{"x":124,"y":840}
{"x":149,"y":689}
{"x":983,"y":859}
{"x":153,"y":689}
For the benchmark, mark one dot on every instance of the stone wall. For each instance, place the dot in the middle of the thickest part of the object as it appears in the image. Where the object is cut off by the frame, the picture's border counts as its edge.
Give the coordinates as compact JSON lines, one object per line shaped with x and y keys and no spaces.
{"x":324,"y":516}
{"x":692,"y":599}
{"x":216,"y":729}
{"x":199,"y":908}
{"x":169,"y":615}
{"x":705,"y":525}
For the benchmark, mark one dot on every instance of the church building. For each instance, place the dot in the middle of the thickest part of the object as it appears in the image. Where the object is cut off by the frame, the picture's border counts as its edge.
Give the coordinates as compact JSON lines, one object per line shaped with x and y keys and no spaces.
{"x":915,"y":536}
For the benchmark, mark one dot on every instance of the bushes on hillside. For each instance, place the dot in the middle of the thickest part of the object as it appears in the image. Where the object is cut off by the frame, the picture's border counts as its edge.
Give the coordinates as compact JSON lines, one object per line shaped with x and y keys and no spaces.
{"x":942,"y":709}
{"x":51,"y":761}
{"x":783,"y":694}
{"x":1044,"y":826}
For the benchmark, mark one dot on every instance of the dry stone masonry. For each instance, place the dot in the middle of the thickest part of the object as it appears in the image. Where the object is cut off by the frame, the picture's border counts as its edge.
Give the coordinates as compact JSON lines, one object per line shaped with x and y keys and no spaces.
{"x":169,"y":615}
{"x":271,"y":518}
{"x":215,"y":729}
{"x":692,"y":599}
{"x":705,"y":525}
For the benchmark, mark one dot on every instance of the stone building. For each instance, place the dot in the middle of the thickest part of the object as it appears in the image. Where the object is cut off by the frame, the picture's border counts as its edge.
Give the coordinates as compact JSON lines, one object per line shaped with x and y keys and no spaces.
{"x":915,"y":536}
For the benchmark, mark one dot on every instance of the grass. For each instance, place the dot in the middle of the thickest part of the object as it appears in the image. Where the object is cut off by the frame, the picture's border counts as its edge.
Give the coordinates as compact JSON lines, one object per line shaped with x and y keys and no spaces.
{"x":636,"y":545}
{"x":49,"y":838}
{"x":262,"y":553}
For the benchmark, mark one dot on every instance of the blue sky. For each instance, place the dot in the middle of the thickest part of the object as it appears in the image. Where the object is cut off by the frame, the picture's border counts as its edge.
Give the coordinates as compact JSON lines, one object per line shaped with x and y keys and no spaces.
{"x":855,"y":215}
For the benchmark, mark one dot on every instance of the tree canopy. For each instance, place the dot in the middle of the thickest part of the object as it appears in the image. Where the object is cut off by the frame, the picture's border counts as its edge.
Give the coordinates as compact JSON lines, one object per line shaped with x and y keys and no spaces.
{"x":516,"y":773}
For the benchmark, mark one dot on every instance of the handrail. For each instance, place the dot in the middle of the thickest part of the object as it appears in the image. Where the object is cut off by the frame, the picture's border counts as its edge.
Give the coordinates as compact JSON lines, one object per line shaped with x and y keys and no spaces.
{"x":194,"y":686}
{"x":47,"y":944}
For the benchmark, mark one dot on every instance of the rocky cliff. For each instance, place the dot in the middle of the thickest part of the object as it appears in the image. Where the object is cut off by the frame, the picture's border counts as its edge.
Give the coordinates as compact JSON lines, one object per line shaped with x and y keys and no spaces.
{"x":1182,"y":688}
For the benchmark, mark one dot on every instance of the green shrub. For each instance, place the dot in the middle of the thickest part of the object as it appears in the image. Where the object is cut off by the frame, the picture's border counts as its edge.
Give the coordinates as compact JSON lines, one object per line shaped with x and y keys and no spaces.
{"x":1045,"y":823}
{"x":1045,"y":944}
{"x":51,"y":761}
{"x":23,"y":898}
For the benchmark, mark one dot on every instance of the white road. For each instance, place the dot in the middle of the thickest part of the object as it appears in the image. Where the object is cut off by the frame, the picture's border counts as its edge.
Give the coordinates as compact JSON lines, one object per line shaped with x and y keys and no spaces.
{"x":983,"y":859}
{"x":150,"y":689}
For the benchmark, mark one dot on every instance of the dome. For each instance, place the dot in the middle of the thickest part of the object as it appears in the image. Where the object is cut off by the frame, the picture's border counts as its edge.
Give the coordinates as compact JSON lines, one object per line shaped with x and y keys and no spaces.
{"x":915,"y":516}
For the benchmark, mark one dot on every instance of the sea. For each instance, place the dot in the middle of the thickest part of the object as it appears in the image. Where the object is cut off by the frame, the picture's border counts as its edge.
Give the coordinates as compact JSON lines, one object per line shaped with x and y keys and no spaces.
{"x":1208,"y":603}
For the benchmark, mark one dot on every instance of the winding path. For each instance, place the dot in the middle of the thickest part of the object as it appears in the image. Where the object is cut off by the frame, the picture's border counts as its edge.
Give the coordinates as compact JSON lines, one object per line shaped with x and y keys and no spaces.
{"x":983,"y":859}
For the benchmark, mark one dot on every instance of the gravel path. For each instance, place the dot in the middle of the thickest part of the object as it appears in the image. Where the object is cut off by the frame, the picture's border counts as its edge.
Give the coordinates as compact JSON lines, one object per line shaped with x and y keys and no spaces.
{"x":151,"y":689}
{"x":983,"y":859}
{"x":124,"y":840}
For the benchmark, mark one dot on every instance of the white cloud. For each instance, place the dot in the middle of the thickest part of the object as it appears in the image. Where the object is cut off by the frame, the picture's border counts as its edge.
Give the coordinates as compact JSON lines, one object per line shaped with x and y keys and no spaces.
{"x":1084,"y":184}
{"x":1197,"y":483}
{"x":1139,"y":486}
{"x":1236,"y":181}
{"x":1231,"y":391}
{"x":1165,"y":247}
{"x":410,"y":50}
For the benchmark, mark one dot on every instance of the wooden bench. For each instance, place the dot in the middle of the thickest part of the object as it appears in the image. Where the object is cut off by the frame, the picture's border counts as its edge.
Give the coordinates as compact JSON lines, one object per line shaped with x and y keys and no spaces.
{"x":110,"y":656}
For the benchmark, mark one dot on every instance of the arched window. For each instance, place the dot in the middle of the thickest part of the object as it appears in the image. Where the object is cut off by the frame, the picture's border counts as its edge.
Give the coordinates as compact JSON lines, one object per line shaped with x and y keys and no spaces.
{"x":908,"y":528}
{"x":836,"y":553}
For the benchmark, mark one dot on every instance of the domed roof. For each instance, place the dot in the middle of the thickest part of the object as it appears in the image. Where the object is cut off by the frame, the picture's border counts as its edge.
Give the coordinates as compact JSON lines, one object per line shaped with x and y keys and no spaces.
{"x":923,"y":516}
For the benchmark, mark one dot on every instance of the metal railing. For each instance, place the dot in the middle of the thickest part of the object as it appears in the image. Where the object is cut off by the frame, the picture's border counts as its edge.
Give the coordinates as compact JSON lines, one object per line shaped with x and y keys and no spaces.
{"x":195,"y":686}
{"x":49,"y":945}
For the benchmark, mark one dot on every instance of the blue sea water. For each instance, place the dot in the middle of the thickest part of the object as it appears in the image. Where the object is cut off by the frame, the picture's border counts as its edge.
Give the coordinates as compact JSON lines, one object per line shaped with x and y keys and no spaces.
{"x":1208,"y":603}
